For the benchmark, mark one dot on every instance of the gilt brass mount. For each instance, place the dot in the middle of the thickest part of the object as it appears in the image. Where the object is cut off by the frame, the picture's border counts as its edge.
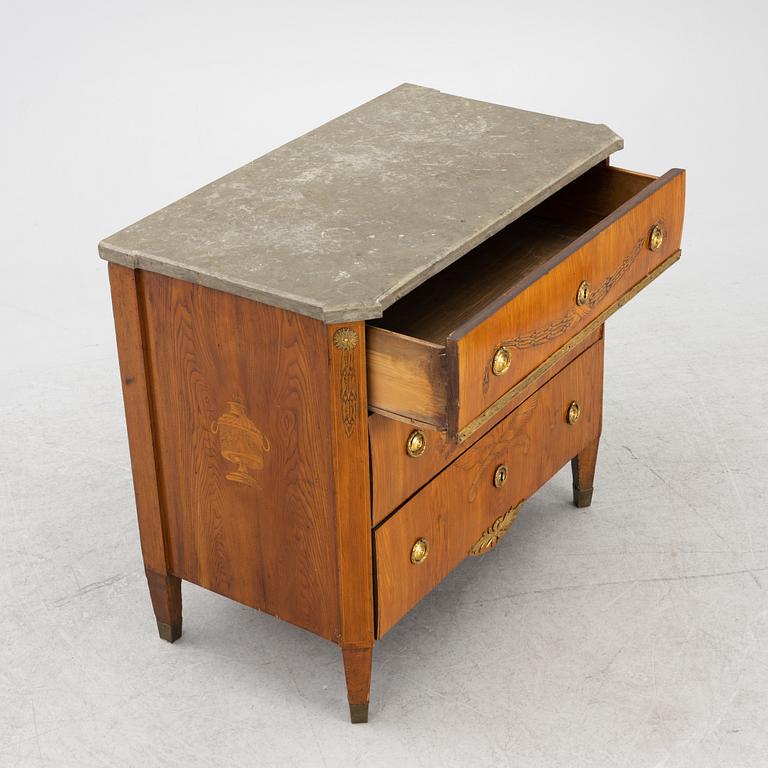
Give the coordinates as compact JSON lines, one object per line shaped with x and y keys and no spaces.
{"x":500,"y":475}
{"x":495,"y":533}
{"x":345,"y":339}
{"x":419,"y":551}
{"x":497,"y":406}
{"x":502,"y":359}
{"x":416,"y":444}
{"x":656,"y":237}
{"x":574,"y":412}
{"x":582,"y":295}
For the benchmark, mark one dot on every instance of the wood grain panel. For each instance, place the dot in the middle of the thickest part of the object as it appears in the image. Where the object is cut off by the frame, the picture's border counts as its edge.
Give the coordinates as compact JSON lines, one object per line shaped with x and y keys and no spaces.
{"x":454,"y":510}
{"x":406,"y":377}
{"x":243,"y":430}
{"x":534,"y":323}
{"x":396,"y":476}
{"x":349,"y":432}
{"x":138,"y":414}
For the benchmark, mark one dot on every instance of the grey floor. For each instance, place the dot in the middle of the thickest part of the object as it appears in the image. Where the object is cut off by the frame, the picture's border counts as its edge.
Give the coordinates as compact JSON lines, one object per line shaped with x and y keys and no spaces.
{"x":633,"y":634}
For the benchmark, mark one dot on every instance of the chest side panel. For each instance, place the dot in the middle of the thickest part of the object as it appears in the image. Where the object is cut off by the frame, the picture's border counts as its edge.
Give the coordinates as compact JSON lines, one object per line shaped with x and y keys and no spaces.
{"x":239,"y":398}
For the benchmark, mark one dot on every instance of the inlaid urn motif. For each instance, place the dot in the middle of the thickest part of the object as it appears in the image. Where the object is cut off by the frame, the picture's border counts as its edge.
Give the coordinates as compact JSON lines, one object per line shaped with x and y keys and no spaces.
{"x":241,"y":443}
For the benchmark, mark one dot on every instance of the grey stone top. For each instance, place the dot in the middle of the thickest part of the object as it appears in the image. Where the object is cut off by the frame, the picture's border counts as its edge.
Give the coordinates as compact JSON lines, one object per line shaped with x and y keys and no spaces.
{"x":341,"y":222}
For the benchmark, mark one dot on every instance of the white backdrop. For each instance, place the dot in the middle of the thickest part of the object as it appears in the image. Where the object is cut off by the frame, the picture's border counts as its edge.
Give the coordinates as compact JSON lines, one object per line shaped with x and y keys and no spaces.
{"x":109,"y":111}
{"x":112,"y":110}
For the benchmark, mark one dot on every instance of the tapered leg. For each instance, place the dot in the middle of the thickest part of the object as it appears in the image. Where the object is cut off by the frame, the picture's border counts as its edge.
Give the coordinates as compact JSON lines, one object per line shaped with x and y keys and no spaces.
{"x":357,"y":669}
{"x":583,"y":467}
{"x":165,"y":591}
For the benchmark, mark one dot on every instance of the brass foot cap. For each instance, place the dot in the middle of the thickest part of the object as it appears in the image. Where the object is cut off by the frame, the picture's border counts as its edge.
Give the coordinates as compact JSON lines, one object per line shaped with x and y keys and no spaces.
{"x":169,"y":632}
{"x":358,"y":713}
{"x":582,"y":497}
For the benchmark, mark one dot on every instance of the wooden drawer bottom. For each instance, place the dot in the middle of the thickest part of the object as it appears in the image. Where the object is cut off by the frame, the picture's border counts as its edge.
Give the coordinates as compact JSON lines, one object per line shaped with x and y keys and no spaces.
{"x":468,"y":507}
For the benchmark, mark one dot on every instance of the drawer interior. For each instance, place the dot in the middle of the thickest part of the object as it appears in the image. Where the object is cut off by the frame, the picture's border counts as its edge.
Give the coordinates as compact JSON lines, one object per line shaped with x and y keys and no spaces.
{"x":511,"y":258}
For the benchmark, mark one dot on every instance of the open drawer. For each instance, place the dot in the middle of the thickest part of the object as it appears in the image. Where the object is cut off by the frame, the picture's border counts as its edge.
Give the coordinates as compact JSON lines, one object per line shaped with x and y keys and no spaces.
{"x":455,"y":350}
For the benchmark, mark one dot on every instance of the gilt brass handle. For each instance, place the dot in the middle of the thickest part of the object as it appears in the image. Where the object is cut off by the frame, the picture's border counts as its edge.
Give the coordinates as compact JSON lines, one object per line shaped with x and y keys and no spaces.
{"x":419,"y":551}
{"x":656,"y":237}
{"x":582,"y":295}
{"x":502,"y":359}
{"x":574,"y":412}
{"x":500,"y":475}
{"x":416,"y":444}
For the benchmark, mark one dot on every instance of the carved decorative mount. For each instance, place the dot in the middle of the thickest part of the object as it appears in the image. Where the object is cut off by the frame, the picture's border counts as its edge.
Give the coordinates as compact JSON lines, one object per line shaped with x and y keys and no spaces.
{"x":597,"y":295}
{"x":496,"y":532}
{"x":593,"y":297}
{"x":346,"y":340}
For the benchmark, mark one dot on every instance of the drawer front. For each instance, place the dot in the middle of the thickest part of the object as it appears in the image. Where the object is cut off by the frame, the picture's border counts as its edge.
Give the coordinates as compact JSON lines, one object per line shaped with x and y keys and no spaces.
{"x":398,"y":471}
{"x":596,"y":272}
{"x":467,"y":506}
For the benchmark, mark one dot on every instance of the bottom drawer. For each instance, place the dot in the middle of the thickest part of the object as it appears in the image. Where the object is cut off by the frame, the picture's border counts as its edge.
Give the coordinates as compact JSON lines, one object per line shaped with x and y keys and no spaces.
{"x":468,"y":507}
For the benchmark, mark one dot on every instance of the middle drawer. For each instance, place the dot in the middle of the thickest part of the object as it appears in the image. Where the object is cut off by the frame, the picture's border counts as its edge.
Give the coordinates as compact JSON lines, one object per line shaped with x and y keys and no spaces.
{"x":472,"y":502}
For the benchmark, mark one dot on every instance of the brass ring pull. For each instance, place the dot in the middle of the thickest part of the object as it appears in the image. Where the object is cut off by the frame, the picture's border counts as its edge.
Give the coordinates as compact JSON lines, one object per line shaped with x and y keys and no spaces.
{"x":416,"y":444}
{"x":502,"y":359}
{"x":419,"y":551}
{"x":582,"y":295}
{"x":656,"y":237}
{"x":500,"y":475}
{"x":574,"y":412}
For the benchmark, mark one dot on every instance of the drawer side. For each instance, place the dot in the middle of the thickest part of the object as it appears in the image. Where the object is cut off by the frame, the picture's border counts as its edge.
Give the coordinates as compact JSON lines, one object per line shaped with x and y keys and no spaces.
{"x":406,"y":377}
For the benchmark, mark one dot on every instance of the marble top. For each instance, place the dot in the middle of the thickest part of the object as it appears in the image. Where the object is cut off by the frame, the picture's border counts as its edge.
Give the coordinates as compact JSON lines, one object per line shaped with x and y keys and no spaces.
{"x":341,"y":222}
